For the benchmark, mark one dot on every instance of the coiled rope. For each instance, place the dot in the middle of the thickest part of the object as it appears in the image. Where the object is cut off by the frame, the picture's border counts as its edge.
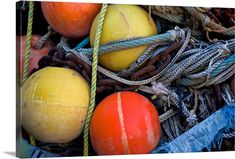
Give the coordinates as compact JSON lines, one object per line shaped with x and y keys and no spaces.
{"x":40,"y":43}
{"x":171,"y":35}
{"x":197,"y":19}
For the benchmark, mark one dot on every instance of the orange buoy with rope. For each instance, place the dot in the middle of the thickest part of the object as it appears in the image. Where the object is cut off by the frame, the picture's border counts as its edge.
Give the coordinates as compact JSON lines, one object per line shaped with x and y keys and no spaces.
{"x":125,"y":123}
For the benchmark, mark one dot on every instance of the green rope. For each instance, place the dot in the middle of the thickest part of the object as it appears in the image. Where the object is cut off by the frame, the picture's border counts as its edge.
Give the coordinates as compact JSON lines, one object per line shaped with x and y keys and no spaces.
{"x":28,"y":39}
{"x":93,"y":79}
{"x":27,"y":50}
{"x":223,"y":66}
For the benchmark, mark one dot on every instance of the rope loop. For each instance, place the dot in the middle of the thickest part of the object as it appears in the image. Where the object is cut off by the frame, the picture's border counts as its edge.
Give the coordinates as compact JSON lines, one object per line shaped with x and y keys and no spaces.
{"x":40,"y":43}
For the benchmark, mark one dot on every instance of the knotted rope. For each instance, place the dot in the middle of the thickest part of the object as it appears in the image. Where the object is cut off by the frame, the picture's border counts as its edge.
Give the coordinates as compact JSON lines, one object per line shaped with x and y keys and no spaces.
{"x":170,"y":35}
{"x":43,"y":39}
{"x":198,"y":18}
{"x":160,"y":89}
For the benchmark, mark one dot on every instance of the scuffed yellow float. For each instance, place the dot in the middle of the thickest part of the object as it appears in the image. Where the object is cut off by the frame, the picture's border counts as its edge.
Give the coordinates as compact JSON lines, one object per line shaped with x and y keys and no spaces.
{"x":54,"y":104}
{"x":122,"y":22}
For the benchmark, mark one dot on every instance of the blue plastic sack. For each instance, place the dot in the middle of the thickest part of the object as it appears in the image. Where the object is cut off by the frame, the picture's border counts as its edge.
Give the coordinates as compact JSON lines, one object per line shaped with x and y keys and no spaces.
{"x":203,"y":135}
{"x":29,"y":151}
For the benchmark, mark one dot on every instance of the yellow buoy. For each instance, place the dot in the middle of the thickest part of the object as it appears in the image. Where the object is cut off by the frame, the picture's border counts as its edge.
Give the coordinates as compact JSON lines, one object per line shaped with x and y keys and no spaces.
{"x":122,"y":22}
{"x":54,"y":104}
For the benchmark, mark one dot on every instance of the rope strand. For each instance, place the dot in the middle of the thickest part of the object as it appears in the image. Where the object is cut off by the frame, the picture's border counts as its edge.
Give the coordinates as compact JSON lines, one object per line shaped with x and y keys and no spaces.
{"x":27,"y":51}
{"x":28,"y":39}
{"x":93,"y":79}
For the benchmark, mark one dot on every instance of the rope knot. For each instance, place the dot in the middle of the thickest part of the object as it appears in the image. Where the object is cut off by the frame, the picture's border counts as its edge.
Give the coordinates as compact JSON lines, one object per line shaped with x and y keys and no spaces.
{"x":224,"y":48}
{"x":43,"y":39}
{"x":227,"y":95}
{"x":159,"y":89}
{"x":176,"y":33}
{"x":205,"y":21}
{"x":192,"y":118}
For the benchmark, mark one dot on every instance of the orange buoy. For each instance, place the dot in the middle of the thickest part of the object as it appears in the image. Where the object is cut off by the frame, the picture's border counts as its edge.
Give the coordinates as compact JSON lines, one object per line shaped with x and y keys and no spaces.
{"x":72,"y":20}
{"x":125,"y":123}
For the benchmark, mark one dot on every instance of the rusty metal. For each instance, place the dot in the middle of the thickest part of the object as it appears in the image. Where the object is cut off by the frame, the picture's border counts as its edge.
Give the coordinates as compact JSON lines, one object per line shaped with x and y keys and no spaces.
{"x":80,"y":62}
{"x":145,"y":70}
{"x":162,"y":66}
{"x":163,"y":56}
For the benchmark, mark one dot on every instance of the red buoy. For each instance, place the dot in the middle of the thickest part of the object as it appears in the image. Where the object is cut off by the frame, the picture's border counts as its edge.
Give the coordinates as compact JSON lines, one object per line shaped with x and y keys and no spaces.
{"x":125,"y":123}
{"x":72,"y":20}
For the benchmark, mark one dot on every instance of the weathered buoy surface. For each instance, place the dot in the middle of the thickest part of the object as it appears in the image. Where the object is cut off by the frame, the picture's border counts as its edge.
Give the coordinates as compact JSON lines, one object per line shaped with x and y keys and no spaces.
{"x":72,"y":20}
{"x":54,"y":104}
{"x":123,"y":22}
{"x":125,"y":123}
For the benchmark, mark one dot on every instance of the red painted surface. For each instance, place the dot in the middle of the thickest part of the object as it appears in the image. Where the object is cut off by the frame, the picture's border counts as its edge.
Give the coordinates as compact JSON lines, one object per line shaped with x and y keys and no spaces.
{"x":125,"y":123}
{"x":35,"y":54}
{"x":70,"y":19}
